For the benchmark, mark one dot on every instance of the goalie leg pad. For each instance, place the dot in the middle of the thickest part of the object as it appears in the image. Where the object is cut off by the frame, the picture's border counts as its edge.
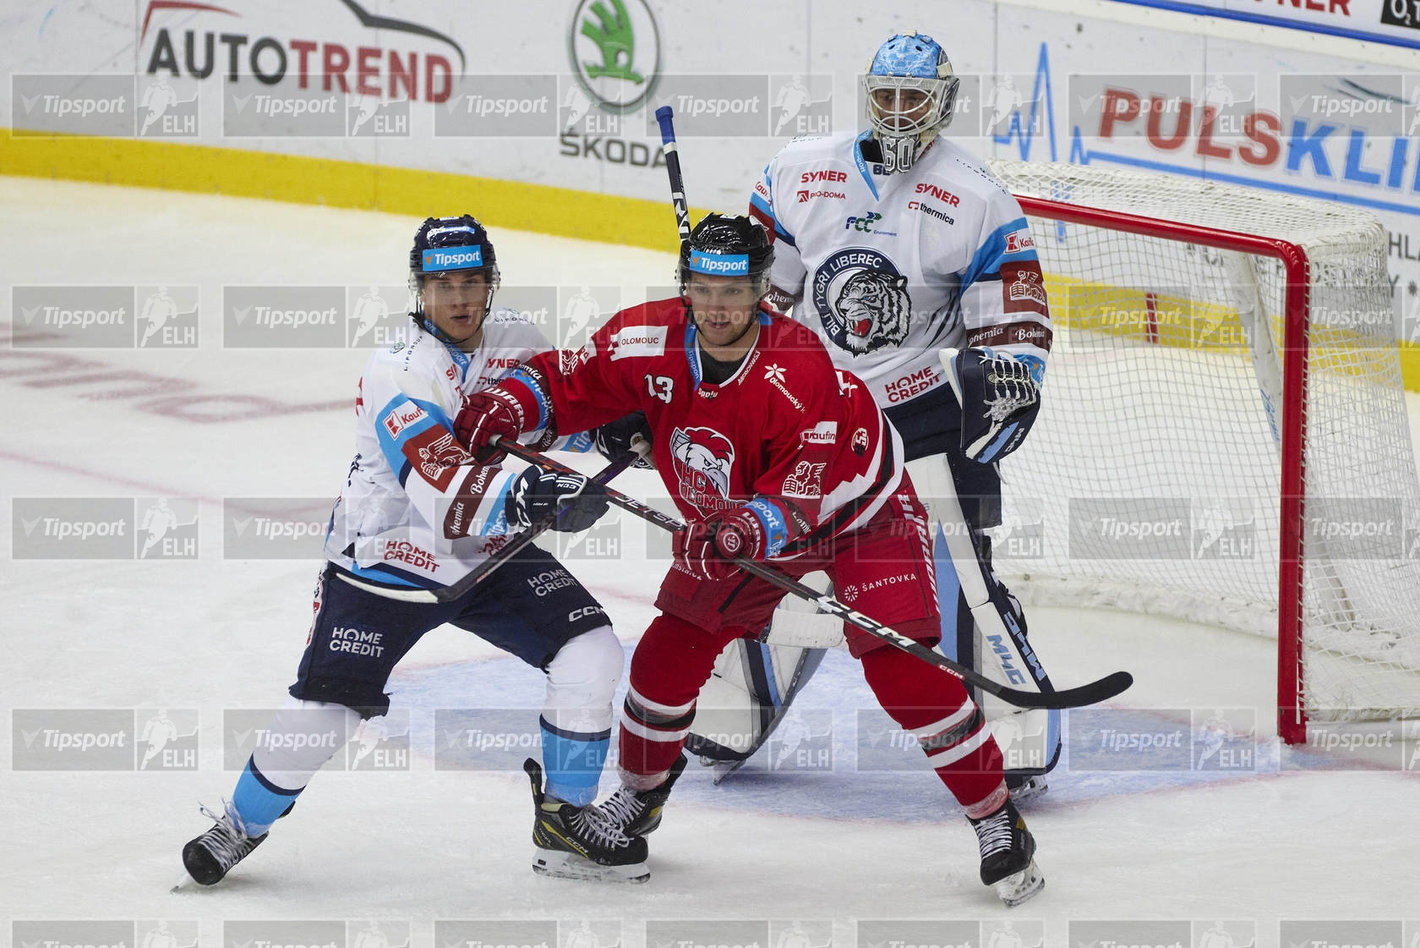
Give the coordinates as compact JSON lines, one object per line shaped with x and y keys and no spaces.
{"x":798,"y":624}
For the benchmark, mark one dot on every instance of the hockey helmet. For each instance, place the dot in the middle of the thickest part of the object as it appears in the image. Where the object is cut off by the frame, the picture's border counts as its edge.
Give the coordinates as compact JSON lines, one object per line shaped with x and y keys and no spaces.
{"x":727,"y":245}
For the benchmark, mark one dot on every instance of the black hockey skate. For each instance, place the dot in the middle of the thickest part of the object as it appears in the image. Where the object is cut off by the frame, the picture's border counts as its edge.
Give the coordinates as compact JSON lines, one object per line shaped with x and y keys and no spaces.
{"x":581,"y":842}
{"x":209,"y":857}
{"x":1008,"y":855}
{"x":638,"y":812}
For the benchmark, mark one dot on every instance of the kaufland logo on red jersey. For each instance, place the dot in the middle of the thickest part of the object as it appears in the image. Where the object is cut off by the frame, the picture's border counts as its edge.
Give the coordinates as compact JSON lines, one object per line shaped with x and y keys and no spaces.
{"x":703,"y":458}
{"x":207,"y":40}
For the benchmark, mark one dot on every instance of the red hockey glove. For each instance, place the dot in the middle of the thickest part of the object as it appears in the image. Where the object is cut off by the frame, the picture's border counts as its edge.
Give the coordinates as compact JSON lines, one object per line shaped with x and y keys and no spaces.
{"x":706,"y":548}
{"x":491,"y":413}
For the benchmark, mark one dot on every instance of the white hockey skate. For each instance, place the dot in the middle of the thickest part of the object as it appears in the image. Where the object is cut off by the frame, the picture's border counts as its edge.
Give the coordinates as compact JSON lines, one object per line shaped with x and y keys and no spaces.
{"x":581,"y":842}
{"x":1008,"y":855}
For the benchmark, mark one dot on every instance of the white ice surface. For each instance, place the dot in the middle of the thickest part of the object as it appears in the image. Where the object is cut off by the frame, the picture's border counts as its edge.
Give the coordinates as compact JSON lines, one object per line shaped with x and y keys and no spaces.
{"x":213,"y":634}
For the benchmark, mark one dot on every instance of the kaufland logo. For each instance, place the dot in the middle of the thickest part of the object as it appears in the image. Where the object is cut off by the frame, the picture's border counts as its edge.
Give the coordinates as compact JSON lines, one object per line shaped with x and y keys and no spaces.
{"x":386,"y":61}
{"x":720,"y":264}
{"x":453,"y":258}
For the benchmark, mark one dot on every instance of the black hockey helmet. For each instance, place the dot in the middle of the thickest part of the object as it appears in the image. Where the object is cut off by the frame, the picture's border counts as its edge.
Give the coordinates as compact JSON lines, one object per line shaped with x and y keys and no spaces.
{"x":442,"y":244}
{"x":727,"y":245}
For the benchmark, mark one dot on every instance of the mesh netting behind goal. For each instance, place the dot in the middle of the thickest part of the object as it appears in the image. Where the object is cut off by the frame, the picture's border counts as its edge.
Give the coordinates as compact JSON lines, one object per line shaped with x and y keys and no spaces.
{"x":1152,"y":479}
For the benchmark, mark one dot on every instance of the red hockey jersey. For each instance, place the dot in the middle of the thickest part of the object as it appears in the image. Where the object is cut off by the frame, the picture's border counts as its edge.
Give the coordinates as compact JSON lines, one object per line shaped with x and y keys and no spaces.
{"x":802,"y":442}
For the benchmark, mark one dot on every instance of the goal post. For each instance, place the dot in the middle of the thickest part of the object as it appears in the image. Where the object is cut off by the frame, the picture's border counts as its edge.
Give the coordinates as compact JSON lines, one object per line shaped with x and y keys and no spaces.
{"x":1223,"y":428}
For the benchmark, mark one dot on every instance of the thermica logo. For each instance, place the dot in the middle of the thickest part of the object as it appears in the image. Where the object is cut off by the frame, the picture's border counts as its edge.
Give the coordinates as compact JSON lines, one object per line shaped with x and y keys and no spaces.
{"x":453,"y":258}
{"x":727,"y":264}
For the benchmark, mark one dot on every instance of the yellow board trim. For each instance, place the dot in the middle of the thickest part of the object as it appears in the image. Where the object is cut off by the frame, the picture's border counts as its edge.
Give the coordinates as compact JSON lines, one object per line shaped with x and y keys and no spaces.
{"x":540,"y":208}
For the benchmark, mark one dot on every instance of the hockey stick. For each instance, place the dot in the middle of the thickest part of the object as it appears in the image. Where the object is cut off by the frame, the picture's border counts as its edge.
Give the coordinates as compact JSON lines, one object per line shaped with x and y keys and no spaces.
{"x":461,"y":588}
{"x":668,"y":144}
{"x":1091,"y":693}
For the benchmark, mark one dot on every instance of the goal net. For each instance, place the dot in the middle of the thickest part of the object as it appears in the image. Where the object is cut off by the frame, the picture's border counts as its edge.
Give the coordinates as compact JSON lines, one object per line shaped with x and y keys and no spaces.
{"x":1223,"y":434}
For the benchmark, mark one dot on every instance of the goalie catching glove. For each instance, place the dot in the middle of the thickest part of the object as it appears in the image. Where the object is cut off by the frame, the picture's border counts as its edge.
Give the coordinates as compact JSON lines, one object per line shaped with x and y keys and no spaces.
{"x":999,"y":400}
{"x":706,"y":548}
{"x":578,"y":501}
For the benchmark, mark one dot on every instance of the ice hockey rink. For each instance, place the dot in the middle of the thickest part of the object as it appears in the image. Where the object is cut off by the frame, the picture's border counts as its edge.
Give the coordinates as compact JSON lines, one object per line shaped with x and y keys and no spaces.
{"x":412,"y":842}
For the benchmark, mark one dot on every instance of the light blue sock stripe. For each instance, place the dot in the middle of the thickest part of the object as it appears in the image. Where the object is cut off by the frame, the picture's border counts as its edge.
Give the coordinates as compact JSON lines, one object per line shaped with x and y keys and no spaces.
{"x":257,"y":802}
{"x":573,"y":764}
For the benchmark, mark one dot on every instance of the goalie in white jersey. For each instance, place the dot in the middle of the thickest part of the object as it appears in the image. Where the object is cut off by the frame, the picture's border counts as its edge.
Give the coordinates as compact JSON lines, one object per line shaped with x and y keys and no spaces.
{"x":418,"y":512}
{"x":917,"y":269}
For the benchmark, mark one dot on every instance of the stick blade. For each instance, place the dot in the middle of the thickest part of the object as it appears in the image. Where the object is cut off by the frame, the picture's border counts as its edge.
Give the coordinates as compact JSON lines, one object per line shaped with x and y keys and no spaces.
{"x":1092,"y":693}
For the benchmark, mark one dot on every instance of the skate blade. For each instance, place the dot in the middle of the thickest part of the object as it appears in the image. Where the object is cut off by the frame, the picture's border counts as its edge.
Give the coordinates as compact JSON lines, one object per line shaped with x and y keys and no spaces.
{"x":1032,"y":789}
{"x":1015,"y":889}
{"x":186,"y":882}
{"x":557,"y":865}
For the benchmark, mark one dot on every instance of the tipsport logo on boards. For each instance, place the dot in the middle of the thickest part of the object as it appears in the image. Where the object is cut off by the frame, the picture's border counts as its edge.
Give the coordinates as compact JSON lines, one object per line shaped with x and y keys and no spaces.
{"x":950,"y":933}
{"x":496,"y":933}
{"x":1334,"y":743}
{"x":254,"y":109}
{"x":802,"y":742}
{"x":285,"y":932}
{"x":97,"y":105}
{"x":283,"y":317}
{"x":103,"y":528}
{"x":105,"y":317}
{"x":1168,"y":933}
{"x":121,"y":739}
{"x":1334,"y":933}
{"x":499,"y":106}
{"x":109,"y":933}
{"x":1130,"y":528}
{"x":274,"y":528}
{"x":707,"y":933}
{"x":487,"y":739}
{"x":379,"y":743}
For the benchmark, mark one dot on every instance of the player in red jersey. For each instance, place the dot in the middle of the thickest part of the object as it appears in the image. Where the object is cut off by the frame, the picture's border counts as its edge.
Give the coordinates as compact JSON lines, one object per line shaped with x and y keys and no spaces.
{"x":772,"y":454}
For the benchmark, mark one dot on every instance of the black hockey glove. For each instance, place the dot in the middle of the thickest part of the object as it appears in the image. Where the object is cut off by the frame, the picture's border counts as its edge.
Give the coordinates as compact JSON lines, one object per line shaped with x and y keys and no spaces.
{"x":615,"y":438}
{"x":999,"y":401}
{"x":537,"y":494}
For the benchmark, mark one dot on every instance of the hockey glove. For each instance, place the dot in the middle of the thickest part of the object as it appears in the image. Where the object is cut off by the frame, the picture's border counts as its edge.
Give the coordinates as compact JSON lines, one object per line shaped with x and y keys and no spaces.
{"x":707,"y":547}
{"x":616,"y":438}
{"x":491,"y":413}
{"x":537,"y":494}
{"x":999,"y":401}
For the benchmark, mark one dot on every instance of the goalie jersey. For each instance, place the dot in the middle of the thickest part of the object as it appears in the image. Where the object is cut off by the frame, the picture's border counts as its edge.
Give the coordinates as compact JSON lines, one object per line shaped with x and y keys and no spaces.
{"x":889,"y":269}
{"x":415,"y":509}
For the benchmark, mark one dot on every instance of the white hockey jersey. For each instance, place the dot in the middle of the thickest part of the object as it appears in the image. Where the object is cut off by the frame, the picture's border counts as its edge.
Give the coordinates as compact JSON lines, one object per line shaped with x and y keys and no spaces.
{"x":416,"y":510}
{"x":891,"y":268}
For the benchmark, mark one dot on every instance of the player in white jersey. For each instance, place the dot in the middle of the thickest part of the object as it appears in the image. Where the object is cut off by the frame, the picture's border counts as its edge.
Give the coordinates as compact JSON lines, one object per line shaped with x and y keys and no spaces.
{"x":417,"y":511}
{"x":917,"y":269}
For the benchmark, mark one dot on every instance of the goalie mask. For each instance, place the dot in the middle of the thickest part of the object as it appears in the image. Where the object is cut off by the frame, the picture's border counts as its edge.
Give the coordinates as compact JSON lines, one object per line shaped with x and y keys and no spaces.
{"x":449,"y":248}
{"x":911,"y":92}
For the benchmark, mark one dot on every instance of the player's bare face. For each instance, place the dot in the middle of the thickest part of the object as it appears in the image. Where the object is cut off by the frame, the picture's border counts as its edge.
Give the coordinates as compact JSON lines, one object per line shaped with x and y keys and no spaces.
{"x":902,"y":109}
{"x":726,"y":311}
{"x":456,"y":302}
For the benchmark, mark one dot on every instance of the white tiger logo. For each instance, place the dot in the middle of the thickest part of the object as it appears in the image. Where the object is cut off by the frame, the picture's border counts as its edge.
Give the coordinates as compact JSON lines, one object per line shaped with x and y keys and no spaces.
{"x":874,"y":308}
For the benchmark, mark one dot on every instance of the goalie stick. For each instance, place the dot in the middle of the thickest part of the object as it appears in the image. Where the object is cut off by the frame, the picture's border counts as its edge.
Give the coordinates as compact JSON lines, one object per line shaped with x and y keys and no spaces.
{"x":1100,"y":690}
{"x":461,"y":588}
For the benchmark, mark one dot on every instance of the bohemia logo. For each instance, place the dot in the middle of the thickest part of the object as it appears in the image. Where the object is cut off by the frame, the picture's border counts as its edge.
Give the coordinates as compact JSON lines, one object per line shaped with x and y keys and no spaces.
{"x":703,"y":458}
{"x":376,"y":70}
